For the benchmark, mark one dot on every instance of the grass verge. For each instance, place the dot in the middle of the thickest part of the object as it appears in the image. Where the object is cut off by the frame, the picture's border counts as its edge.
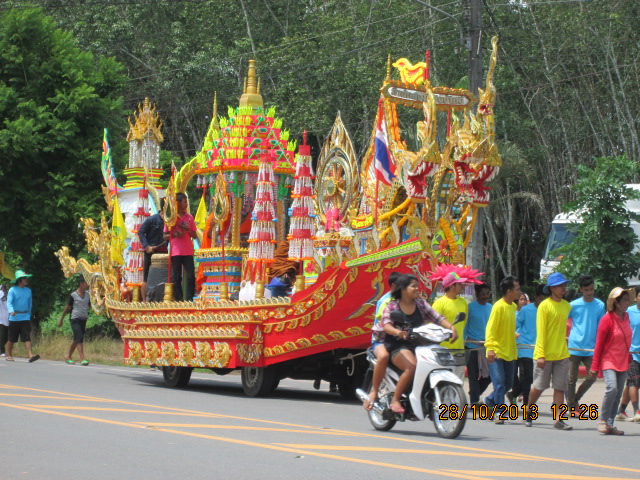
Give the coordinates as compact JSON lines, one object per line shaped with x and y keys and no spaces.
{"x":107,"y":351}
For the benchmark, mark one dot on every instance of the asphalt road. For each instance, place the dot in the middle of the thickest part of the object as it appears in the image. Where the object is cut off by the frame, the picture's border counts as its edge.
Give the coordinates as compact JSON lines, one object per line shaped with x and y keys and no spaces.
{"x":70,"y":422}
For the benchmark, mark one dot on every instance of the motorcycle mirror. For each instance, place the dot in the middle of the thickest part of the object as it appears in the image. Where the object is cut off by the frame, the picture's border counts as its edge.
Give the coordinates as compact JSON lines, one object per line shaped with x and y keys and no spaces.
{"x":460,"y":317}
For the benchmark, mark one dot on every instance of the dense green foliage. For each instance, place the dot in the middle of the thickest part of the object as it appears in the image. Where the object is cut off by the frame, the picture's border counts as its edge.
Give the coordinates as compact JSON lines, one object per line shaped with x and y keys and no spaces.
{"x":566,"y":79}
{"x":55,"y":99}
{"x":605,"y":240}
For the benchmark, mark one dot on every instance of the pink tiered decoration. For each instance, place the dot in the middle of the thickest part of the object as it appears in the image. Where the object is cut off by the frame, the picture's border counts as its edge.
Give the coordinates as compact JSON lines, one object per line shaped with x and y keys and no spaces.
{"x":302,"y":209}
{"x":135,"y":263}
{"x":263,"y":232}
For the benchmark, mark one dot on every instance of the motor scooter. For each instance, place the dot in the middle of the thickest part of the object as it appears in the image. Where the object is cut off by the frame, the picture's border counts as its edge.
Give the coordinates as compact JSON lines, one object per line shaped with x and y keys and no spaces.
{"x":436,"y":394}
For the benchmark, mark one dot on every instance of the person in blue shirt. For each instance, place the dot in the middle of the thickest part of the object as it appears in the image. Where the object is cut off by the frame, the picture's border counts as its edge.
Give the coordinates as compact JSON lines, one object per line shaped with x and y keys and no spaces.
{"x":585,"y":315}
{"x":19,"y":304}
{"x":526,"y":335}
{"x":151,"y":235}
{"x":377,"y":341}
{"x":477,"y":368}
{"x":630,"y":392}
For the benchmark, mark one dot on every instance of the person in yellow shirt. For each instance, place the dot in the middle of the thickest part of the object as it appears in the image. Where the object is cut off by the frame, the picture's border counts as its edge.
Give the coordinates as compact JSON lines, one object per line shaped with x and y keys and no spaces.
{"x":551,"y":353}
{"x":449,"y":306}
{"x":500,"y":342}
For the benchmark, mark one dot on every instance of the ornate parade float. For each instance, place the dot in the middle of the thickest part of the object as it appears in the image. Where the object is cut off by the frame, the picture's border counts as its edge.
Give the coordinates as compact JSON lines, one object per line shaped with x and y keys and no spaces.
{"x":337,"y":233}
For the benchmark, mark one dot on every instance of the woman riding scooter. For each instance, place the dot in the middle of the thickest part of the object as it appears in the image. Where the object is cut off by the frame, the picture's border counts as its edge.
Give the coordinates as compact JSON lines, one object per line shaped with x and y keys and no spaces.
{"x":417,"y":312}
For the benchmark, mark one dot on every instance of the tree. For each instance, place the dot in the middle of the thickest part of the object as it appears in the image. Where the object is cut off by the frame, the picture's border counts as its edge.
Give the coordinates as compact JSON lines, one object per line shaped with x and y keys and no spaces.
{"x":605,"y":241}
{"x":55,"y":99}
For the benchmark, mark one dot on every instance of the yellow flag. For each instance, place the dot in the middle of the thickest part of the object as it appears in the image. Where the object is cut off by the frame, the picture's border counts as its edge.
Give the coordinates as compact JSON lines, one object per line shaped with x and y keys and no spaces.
{"x":5,"y":269}
{"x":118,"y":233}
{"x":201,"y":214}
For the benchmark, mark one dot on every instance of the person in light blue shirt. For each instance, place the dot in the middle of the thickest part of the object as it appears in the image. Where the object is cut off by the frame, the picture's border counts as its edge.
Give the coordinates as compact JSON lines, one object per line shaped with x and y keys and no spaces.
{"x":630,"y":392}
{"x":477,"y":367}
{"x":19,"y":304}
{"x":526,"y":335}
{"x":585,"y":315}
{"x":377,"y":341}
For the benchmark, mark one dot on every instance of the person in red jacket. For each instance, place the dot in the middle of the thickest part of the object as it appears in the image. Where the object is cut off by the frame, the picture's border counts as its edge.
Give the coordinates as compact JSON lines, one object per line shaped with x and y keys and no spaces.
{"x":611,"y":355}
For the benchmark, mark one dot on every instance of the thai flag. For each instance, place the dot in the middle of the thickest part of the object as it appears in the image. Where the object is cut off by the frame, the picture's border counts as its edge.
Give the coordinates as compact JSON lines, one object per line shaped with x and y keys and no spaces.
{"x":384,"y":167}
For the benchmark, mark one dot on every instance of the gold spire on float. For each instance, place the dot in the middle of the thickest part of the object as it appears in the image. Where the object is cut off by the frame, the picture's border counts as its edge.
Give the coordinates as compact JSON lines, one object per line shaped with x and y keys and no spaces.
{"x":251,"y":96}
{"x":147,"y":121}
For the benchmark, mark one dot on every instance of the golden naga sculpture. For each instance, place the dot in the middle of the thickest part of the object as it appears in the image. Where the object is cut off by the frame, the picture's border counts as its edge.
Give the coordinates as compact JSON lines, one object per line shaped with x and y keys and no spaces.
{"x":439,"y":185}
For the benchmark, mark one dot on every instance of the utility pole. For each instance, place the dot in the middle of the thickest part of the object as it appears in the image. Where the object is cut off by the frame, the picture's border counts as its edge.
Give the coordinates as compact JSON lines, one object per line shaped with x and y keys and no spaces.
{"x":475,"y":80}
{"x":475,"y":253}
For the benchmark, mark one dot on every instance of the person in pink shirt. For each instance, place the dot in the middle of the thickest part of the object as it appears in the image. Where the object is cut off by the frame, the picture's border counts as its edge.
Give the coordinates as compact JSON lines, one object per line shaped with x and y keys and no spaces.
{"x":611,"y":355}
{"x":181,"y":249}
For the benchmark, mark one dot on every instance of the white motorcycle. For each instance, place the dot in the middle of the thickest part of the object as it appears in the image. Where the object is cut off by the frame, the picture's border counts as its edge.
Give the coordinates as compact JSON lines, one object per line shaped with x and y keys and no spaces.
{"x":437,"y":393}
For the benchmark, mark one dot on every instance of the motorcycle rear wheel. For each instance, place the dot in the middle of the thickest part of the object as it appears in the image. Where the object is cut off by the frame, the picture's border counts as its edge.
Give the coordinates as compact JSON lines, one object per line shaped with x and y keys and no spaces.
{"x":376,"y":419}
{"x":450,"y":394}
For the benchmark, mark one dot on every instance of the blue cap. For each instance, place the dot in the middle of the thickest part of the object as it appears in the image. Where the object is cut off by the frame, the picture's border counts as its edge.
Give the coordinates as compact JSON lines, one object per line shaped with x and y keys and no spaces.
{"x":277,"y":283}
{"x":554,"y":280}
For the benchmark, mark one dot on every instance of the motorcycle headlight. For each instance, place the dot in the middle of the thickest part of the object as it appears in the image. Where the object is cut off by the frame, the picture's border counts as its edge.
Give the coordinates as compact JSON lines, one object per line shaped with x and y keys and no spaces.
{"x":445,"y":359}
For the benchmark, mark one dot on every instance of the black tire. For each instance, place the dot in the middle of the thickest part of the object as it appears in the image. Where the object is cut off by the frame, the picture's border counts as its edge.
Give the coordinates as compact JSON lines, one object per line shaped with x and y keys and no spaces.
{"x":176,"y":377}
{"x":276,"y":382}
{"x":377,"y":419}
{"x":258,"y":381}
{"x":450,"y":394}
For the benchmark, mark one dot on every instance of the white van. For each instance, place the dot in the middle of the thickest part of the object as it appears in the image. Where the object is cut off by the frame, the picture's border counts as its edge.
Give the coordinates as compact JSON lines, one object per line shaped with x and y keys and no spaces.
{"x":560,"y":234}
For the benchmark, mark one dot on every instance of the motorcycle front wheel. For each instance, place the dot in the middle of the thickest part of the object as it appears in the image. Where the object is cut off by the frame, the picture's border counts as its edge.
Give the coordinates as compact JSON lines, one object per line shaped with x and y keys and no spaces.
{"x":447,"y":423}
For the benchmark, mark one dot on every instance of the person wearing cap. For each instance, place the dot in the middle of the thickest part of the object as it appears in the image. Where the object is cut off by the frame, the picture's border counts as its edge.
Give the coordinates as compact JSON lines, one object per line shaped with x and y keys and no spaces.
{"x":526,"y":335}
{"x":500,"y":342}
{"x":449,"y":306}
{"x":78,"y":304}
{"x":4,"y":319}
{"x":19,"y":304}
{"x":278,"y":286}
{"x":611,"y":355}
{"x":585,"y":315}
{"x":551,"y":353}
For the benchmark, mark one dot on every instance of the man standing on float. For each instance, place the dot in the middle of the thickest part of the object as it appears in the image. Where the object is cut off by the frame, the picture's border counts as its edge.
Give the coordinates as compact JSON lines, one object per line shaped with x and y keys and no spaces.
{"x":181,"y":246}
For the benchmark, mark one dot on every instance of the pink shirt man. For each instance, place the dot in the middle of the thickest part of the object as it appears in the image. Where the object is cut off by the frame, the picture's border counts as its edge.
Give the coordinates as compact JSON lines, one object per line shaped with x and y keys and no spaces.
{"x":181,"y":243}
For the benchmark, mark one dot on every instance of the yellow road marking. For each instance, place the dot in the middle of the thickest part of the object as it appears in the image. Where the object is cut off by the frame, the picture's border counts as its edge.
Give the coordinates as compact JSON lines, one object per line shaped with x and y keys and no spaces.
{"x":22,"y":395}
{"x":311,"y":429}
{"x":344,"y":448}
{"x":439,"y":473}
{"x":555,"y":476}
{"x":237,"y":427}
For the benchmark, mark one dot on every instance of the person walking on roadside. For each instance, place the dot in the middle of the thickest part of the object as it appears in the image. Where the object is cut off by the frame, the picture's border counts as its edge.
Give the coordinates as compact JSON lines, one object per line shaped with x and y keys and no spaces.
{"x":19,"y":304}
{"x":78,"y":304}
{"x":4,"y":319}
{"x":477,"y":366}
{"x":585,"y":315}
{"x":181,"y":243}
{"x":151,"y":235}
{"x":526,"y":335}
{"x":551,"y":353}
{"x":611,"y":355}
{"x":633,"y":375}
{"x":377,"y":340}
{"x":500,"y":342}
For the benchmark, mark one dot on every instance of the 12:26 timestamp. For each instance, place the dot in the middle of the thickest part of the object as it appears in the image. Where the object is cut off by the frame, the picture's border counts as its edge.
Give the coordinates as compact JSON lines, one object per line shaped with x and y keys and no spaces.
{"x":580,"y":412}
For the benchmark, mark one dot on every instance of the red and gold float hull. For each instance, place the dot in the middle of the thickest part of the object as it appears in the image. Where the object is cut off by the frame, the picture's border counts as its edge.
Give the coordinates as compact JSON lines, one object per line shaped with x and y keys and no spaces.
{"x":337,"y":312}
